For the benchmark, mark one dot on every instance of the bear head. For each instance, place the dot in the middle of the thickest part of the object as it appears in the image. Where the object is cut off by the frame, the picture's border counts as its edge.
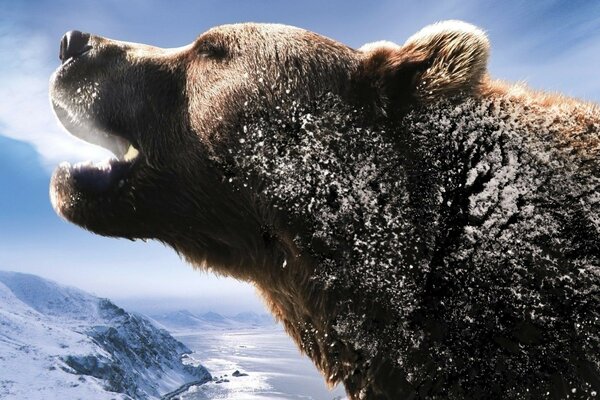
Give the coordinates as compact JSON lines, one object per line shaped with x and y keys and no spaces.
{"x":171,"y":116}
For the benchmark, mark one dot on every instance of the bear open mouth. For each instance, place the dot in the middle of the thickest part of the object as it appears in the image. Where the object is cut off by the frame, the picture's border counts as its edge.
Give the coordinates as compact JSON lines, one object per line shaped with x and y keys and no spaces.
{"x":98,"y":177}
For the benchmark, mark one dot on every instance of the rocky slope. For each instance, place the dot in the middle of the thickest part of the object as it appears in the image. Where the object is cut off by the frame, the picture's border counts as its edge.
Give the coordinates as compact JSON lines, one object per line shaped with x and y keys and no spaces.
{"x":60,"y":342}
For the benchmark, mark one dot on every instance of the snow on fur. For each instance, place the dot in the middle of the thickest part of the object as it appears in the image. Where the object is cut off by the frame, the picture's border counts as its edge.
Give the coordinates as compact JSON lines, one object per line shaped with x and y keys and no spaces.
{"x":474,"y":226}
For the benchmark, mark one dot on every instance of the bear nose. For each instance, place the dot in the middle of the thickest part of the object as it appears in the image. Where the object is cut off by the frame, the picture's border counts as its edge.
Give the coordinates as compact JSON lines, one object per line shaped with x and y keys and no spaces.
{"x":72,"y":44}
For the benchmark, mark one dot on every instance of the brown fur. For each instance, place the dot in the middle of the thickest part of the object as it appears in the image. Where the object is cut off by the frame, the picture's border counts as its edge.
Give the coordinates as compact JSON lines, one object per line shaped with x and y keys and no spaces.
{"x":443,"y":60}
{"x":579,"y":117}
{"x":217,"y":121}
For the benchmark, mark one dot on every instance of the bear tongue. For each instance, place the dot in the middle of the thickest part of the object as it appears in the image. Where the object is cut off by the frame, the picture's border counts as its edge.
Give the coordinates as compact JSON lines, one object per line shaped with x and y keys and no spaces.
{"x":99,"y":177}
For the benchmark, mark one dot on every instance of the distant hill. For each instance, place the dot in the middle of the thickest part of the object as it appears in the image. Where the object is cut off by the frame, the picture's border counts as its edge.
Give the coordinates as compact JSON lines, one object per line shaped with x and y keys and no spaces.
{"x":254,"y":319}
{"x":184,"y":320}
{"x":58,"y":342}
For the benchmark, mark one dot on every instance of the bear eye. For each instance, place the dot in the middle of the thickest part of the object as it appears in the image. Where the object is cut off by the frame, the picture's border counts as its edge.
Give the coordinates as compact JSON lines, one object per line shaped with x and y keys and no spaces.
{"x":212,"y":49}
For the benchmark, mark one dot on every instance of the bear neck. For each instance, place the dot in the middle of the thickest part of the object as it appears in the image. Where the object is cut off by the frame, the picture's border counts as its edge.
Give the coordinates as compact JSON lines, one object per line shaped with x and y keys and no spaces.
{"x":342,"y":196}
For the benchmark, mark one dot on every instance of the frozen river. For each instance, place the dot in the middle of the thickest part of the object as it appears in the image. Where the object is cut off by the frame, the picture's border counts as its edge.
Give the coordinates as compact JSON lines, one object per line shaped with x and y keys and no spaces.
{"x":275,"y":368}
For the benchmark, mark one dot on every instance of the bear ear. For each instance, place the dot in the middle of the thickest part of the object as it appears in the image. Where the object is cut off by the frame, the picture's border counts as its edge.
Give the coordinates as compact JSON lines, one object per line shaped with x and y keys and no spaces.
{"x":443,"y":59}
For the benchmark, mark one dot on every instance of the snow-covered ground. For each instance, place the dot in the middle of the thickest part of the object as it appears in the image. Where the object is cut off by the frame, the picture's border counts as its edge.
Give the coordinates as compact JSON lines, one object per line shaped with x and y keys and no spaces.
{"x":274,"y":367}
{"x":58,"y":342}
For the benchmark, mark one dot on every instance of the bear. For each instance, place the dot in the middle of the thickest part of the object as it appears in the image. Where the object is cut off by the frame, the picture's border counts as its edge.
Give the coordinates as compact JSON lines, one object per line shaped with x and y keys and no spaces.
{"x":420,"y":229}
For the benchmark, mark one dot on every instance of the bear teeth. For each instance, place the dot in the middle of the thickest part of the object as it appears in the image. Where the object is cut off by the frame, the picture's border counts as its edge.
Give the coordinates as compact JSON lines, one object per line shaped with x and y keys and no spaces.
{"x":131,"y":153}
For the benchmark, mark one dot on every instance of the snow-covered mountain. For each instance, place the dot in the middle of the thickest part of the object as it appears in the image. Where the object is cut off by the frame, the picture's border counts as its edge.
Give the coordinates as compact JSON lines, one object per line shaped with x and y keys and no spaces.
{"x":184,"y":320}
{"x":58,"y":342}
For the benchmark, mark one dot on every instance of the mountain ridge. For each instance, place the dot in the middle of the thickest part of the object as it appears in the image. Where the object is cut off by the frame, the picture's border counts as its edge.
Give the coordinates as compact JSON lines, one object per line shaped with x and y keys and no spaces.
{"x":185,"y":320}
{"x":61,"y":342}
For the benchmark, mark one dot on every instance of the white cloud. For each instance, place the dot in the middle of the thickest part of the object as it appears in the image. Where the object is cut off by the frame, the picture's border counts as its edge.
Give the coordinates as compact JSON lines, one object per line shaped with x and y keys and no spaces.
{"x":25,"y":111}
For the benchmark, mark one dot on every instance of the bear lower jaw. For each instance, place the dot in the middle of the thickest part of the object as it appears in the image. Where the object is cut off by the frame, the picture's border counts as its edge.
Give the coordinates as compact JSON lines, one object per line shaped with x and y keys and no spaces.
{"x":91,"y":194}
{"x":98,"y":178}
{"x":85,"y":192}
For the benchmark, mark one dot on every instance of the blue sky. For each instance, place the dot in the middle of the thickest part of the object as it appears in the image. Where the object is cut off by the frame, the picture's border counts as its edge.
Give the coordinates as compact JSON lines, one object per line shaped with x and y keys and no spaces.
{"x":552,"y":45}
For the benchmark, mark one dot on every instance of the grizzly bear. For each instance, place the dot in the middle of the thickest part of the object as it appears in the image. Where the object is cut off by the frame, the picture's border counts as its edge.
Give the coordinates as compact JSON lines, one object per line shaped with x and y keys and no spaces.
{"x":420,"y":230}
